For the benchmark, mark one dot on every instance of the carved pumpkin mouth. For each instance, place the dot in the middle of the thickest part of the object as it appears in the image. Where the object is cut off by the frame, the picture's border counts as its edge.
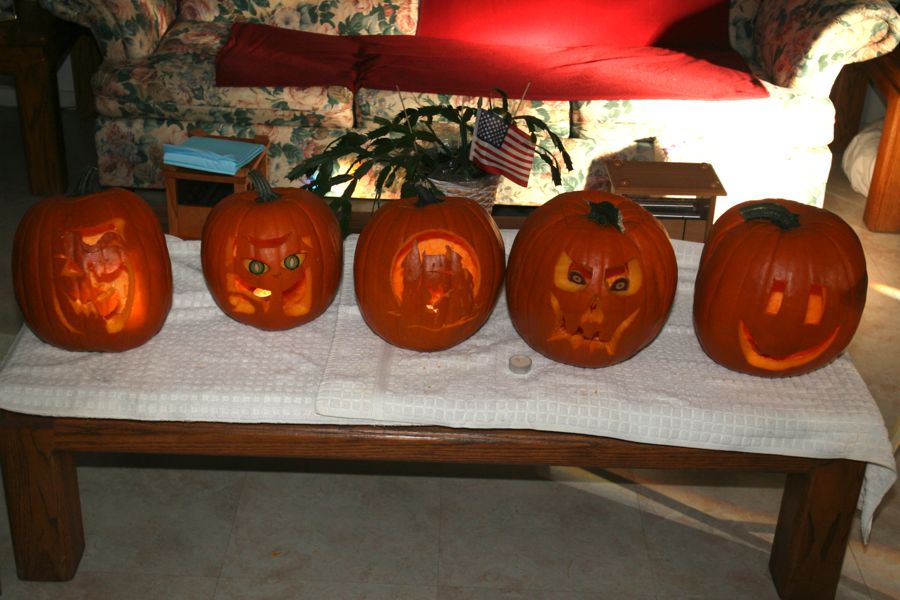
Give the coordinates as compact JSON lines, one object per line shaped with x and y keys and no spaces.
{"x":757,"y":358}
{"x":590,"y":340}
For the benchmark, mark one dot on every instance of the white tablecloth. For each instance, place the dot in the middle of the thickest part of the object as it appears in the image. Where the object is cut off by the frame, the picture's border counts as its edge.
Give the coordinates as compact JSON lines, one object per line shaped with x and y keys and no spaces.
{"x":204,"y":366}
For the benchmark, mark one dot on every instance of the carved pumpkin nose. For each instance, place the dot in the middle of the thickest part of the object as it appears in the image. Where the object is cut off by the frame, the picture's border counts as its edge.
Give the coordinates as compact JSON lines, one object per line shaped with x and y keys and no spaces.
{"x":591,"y":320}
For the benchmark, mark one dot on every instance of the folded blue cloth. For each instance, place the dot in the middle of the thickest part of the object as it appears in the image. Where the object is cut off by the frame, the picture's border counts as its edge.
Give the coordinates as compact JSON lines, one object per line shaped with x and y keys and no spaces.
{"x":215,"y":155}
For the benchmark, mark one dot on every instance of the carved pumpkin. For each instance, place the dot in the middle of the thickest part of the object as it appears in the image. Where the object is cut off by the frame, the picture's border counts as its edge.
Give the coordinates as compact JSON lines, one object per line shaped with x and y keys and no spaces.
{"x":780,"y":289}
{"x":272,"y":258}
{"x":92,"y":272}
{"x":427,"y":271}
{"x":591,"y":279}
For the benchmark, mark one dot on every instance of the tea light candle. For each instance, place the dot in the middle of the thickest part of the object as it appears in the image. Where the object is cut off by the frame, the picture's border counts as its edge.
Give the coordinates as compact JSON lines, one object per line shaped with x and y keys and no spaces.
{"x":519,"y":364}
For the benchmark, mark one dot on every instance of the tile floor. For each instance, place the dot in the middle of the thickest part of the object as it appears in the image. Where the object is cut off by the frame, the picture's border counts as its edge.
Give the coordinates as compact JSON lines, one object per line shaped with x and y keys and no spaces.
{"x":228,"y":529}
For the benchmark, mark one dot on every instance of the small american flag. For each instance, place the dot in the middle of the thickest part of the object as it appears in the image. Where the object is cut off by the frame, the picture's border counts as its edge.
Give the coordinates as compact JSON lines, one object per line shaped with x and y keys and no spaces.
{"x":501,"y":148}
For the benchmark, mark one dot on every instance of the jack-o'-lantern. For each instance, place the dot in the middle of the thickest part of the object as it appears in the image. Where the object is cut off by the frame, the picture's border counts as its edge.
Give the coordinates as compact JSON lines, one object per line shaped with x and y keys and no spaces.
{"x":427,"y":271}
{"x":92,"y":272}
{"x":272,"y":258}
{"x":780,"y":289}
{"x":591,"y":279}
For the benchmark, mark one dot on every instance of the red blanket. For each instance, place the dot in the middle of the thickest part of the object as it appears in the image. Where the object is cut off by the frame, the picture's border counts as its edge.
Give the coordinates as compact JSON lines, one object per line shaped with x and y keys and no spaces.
{"x":419,"y":64}
{"x":260,"y":55}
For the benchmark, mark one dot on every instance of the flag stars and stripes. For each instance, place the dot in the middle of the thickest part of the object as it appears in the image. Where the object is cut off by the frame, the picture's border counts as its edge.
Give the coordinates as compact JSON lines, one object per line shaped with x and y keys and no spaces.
{"x":501,"y":148}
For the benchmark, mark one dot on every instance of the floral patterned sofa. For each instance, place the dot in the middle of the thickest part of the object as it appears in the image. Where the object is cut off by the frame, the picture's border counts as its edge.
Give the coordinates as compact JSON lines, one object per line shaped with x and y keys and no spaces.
{"x":157,"y":82}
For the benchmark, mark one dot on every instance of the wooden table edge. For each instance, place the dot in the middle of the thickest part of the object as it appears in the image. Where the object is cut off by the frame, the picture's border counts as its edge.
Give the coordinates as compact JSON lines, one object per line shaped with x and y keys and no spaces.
{"x":39,"y":472}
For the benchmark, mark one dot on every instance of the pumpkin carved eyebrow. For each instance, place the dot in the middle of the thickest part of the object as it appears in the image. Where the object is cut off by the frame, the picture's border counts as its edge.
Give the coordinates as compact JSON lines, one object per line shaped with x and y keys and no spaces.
{"x":268,"y":242}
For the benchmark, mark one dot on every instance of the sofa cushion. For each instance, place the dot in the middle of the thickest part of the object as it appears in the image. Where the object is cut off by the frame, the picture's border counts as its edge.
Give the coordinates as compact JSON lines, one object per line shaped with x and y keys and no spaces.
{"x":178,"y":82}
{"x":783,"y":119}
{"x":665,"y":23}
{"x":554,"y":73}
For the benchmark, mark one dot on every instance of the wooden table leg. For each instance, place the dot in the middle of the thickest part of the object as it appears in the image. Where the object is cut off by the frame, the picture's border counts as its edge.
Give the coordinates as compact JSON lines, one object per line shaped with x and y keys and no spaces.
{"x":37,"y":95}
{"x":882,"y":211}
{"x":813,"y":529}
{"x":43,"y":503}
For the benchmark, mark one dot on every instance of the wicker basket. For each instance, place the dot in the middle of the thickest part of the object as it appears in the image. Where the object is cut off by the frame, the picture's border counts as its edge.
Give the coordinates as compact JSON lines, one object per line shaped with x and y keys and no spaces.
{"x":482,"y":190}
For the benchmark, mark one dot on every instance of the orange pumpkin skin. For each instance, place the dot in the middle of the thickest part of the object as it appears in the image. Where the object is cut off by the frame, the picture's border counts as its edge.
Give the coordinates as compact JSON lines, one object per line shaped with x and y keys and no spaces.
{"x":272,"y":259}
{"x":92,"y":272}
{"x":427,"y":276}
{"x":584,"y":292}
{"x":778,"y":295}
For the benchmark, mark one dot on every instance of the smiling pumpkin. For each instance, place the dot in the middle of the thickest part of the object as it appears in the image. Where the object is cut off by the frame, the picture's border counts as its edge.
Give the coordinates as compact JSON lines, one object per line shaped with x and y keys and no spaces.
{"x":780,"y":289}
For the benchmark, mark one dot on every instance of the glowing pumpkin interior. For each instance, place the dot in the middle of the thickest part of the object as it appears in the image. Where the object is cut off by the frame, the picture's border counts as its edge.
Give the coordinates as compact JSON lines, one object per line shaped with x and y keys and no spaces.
{"x":270,"y":274}
{"x":97,"y":280}
{"x":435,"y":276}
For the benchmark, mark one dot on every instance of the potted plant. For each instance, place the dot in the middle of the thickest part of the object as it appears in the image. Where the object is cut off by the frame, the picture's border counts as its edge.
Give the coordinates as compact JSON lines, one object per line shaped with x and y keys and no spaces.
{"x":420,"y":148}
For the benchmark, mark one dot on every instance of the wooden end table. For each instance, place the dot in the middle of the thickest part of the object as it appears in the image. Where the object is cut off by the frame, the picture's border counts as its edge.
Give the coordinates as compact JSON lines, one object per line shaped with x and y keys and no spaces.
{"x":185,"y":214}
{"x":32,"y":48}
{"x":681,"y":195}
{"x":882,"y":212}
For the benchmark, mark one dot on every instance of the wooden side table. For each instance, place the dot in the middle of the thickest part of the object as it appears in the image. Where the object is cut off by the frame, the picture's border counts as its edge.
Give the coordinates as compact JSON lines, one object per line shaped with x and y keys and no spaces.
{"x":32,"y":48}
{"x":681,"y":195}
{"x":882,"y":211}
{"x":191,"y":194}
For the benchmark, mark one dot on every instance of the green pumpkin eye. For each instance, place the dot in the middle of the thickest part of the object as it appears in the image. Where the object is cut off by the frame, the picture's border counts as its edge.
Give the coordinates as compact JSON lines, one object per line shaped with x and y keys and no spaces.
{"x":293,"y":261}
{"x":256,"y":267}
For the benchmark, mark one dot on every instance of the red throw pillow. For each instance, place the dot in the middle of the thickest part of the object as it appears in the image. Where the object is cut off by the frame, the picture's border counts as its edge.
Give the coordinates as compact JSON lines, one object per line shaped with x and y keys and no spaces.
{"x":611,"y":23}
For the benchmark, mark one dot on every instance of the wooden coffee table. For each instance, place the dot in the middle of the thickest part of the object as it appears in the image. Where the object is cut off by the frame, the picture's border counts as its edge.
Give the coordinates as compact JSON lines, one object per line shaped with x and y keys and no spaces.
{"x":40,"y":477}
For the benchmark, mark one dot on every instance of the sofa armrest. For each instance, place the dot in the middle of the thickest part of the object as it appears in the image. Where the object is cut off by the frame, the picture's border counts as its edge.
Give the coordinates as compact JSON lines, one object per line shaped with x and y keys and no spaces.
{"x":124,"y":29}
{"x":741,"y":19}
{"x":803,"y":44}
{"x":333,"y":17}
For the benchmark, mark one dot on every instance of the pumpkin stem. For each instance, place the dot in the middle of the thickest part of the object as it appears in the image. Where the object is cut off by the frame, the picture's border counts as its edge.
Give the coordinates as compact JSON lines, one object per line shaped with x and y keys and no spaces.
{"x":425,"y":196}
{"x":606,"y":213}
{"x":84,"y":182}
{"x":264,"y":191}
{"x":772,"y":212}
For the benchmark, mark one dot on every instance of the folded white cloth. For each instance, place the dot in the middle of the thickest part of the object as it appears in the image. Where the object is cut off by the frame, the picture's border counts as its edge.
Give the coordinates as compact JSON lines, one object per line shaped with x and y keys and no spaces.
{"x":203,"y":366}
{"x":670,"y":393}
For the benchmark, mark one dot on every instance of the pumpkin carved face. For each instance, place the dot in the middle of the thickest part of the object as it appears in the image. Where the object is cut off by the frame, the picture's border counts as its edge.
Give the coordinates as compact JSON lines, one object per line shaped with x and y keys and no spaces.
{"x":268,"y":274}
{"x":96,"y":279}
{"x":780,"y":289}
{"x":92,"y":272}
{"x":591,"y":279}
{"x":273,"y":263}
{"x":427,"y":275}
